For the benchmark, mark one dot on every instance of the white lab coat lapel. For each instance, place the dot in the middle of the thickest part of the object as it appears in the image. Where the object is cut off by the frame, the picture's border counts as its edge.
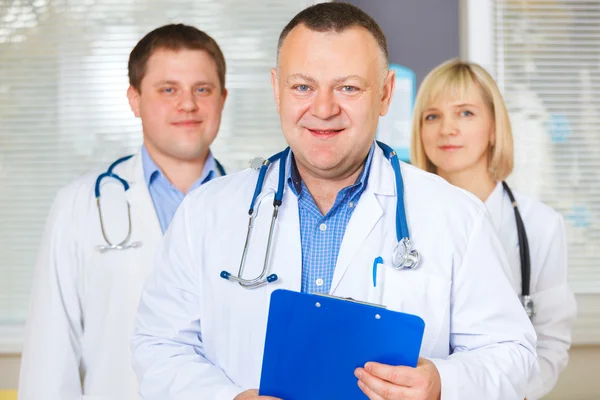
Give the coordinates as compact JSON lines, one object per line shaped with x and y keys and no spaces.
{"x":495,"y":205}
{"x":143,"y":213}
{"x":367,"y":214}
{"x":502,"y":214}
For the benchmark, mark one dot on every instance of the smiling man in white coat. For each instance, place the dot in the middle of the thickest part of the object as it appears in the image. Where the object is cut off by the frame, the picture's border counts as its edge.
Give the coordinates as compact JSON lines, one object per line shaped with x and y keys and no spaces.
{"x":86,"y":292}
{"x":199,"y":336}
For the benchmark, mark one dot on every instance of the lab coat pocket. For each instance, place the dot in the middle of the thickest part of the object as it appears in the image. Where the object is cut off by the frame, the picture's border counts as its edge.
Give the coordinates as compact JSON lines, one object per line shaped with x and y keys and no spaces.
{"x":422,"y":294}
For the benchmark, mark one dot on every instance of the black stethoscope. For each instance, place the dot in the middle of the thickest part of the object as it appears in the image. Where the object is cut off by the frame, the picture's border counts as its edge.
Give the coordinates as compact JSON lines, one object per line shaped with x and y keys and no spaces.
{"x":526,"y":299}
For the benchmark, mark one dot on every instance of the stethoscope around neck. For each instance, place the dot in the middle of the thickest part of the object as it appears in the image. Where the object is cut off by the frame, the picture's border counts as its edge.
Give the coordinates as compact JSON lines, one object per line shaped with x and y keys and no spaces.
{"x":403,"y":256}
{"x":526,"y":298}
{"x":124,"y":244}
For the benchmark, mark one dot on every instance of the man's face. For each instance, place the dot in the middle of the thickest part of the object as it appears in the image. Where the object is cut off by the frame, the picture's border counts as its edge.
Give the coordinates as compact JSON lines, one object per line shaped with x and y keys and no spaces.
{"x":330,"y":90}
{"x":180,"y":103}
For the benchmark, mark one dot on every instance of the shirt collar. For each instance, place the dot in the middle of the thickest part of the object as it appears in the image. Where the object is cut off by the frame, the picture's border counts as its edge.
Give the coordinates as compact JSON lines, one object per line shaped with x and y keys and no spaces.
{"x":152,"y":171}
{"x":295,"y":181}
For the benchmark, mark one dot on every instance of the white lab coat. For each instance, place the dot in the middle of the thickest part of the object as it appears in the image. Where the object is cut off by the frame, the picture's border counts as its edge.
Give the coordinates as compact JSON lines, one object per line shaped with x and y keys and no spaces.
{"x":554,"y":303}
{"x":199,"y":336}
{"x":84,"y":302}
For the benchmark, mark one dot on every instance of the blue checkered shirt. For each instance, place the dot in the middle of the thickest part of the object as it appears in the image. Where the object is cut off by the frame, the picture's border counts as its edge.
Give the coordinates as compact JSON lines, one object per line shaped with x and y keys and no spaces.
{"x":321,"y":235}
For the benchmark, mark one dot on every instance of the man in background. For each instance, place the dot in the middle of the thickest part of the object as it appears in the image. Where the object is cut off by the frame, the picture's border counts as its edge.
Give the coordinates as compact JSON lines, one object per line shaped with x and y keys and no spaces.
{"x":84,"y":300}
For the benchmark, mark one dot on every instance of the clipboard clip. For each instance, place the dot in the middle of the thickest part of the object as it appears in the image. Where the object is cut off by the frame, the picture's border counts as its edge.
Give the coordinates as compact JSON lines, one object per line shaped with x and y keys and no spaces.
{"x":350,"y":299}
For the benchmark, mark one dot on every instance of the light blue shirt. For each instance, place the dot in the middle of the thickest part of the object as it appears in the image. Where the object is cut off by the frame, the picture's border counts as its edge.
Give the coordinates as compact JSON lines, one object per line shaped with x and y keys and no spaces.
{"x":165,"y":196}
{"x":321,"y":235}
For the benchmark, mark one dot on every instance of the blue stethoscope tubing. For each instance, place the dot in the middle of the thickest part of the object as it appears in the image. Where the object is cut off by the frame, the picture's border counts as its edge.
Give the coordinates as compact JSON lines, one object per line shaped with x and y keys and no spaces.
{"x":403,"y":257}
{"x":277,"y":200}
{"x":123,"y":245}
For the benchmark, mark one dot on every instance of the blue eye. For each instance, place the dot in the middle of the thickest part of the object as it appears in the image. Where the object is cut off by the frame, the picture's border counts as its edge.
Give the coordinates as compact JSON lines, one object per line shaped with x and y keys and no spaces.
{"x":202,"y":90}
{"x":430,"y":117}
{"x":302,"y":88}
{"x":349,"y":89}
{"x":466,"y":113}
{"x":168,"y":90}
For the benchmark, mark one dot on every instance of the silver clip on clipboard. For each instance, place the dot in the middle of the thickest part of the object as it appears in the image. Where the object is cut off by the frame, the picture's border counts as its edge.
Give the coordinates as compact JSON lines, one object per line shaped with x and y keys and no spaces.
{"x":350,"y":299}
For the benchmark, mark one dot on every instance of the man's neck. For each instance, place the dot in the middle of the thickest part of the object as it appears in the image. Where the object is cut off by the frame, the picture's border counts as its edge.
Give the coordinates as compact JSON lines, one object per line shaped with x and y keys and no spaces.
{"x":477,"y":181}
{"x":324,"y":190}
{"x":180,"y":173}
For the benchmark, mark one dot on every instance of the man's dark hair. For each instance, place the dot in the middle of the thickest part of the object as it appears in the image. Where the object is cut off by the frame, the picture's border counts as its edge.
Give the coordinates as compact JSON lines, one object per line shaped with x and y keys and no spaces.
{"x":173,"y":37}
{"x":337,"y":17}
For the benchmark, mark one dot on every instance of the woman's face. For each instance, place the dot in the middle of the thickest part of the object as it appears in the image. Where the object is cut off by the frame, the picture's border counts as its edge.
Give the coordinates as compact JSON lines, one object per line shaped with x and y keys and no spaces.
{"x":457,"y":131}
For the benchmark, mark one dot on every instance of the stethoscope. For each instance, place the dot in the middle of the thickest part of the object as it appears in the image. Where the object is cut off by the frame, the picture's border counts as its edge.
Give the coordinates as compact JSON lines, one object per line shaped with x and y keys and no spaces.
{"x":526,"y":299}
{"x":403,"y":256}
{"x":124,"y":244}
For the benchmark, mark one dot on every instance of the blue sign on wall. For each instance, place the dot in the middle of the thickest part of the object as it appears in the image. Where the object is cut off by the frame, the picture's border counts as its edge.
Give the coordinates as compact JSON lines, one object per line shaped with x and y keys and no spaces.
{"x":559,"y":128}
{"x":395,"y":127}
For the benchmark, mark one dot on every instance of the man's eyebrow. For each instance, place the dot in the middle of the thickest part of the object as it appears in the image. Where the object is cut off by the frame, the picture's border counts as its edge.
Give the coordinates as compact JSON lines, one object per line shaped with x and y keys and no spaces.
{"x":166,"y":82}
{"x":336,"y":81}
{"x":343,"y":79}
{"x":302,"y":77}
{"x":174,"y":83}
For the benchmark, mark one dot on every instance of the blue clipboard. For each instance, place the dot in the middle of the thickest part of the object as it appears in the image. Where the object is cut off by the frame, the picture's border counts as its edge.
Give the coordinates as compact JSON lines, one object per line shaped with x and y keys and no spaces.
{"x":314,"y":343}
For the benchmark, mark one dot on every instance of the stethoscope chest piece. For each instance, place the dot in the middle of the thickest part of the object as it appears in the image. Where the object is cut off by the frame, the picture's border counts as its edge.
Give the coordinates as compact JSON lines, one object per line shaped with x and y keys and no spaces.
{"x":527,"y":302}
{"x":404,"y":256}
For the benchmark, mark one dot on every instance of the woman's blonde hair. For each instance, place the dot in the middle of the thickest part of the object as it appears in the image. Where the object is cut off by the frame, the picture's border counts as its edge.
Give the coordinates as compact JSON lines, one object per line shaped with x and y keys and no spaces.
{"x":456,"y":77}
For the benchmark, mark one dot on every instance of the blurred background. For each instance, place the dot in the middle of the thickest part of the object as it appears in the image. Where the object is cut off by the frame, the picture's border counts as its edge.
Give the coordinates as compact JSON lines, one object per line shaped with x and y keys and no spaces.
{"x":63,"y":111}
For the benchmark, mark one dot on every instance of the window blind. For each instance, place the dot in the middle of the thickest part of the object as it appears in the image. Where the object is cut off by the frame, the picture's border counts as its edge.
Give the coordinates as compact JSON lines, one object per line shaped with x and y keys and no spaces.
{"x":64,"y":111}
{"x":547,"y":62}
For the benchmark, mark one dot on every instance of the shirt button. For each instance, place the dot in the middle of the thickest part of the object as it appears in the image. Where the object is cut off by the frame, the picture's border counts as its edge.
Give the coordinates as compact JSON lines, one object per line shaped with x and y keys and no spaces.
{"x":322,"y":227}
{"x":319,"y":282}
{"x":351,"y":205}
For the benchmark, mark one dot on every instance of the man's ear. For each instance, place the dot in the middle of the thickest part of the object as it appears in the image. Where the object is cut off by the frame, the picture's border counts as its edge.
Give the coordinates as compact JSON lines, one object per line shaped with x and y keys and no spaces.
{"x":388,"y":90}
{"x":275,"y":85}
{"x":224,"y":94}
{"x":133,"y":95}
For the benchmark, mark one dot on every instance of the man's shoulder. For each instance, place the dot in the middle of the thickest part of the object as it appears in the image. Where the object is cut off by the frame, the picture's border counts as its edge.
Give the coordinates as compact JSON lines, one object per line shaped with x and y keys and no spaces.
{"x":82,"y":187}
{"x":434,"y":192}
{"x":230,"y":187}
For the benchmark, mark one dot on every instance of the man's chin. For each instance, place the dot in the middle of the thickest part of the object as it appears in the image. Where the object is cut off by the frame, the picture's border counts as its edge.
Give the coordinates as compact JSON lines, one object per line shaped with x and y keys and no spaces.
{"x":189,"y":154}
{"x":323,"y":166}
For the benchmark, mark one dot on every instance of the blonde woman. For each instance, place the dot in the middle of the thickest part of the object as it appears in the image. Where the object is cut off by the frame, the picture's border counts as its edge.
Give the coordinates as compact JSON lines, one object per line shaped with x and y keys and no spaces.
{"x":461,"y":131}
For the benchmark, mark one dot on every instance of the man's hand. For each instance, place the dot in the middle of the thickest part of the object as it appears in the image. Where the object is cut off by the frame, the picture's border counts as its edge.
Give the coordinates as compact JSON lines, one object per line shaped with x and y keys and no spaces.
{"x":253,"y":395}
{"x":385,"y":382}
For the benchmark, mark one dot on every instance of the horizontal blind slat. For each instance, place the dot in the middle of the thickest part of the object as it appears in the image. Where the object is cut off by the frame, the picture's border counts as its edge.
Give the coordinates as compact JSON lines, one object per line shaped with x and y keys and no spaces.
{"x":547,"y":55}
